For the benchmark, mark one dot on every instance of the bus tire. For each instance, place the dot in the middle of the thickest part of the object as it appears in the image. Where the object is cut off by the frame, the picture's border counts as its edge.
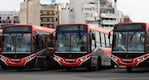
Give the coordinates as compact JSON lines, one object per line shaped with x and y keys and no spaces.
{"x":44,"y":65}
{"x":90,"y":68}
{"x":98,"y":65}
{"x":129,"y":69}
{"x":113,"y":65}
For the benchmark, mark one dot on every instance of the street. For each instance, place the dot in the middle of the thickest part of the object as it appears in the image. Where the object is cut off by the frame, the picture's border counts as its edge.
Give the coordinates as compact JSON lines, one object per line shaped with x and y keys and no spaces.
{"x":107,"y":74}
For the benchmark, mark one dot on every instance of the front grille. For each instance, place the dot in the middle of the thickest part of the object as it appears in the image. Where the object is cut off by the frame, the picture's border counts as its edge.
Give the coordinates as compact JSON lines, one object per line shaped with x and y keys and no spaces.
{"x":128,"y":55}
{"x":15,"y":55}
{"x":70,"y":55}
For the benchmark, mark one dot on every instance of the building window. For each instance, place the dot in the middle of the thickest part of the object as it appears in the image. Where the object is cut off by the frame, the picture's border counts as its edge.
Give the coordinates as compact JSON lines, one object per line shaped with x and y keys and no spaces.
{"x":44,"y":13}
{"x":51,"y":19}
{"x":51,"y":13}
{"x":44,"y":19}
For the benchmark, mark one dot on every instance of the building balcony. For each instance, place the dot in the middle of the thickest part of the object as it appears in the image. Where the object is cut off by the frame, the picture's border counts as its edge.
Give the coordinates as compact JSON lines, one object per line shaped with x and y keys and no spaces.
{"x":48,"y":15}
{"x":55,"y":22}
{"x":109,"y":22}
{"x":108,"y":15}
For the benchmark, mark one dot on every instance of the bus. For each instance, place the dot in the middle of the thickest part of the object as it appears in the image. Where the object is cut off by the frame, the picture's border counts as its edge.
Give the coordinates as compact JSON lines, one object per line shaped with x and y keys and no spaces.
{"x":25,"y":46}
{"x":130,"y":45}
{"x":81,"y":45}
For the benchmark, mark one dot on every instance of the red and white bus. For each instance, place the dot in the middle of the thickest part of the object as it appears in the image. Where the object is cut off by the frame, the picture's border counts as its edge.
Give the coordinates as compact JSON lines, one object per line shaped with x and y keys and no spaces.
{"x":81,"y":45}
{"x":25,"y":46}
{"x":130,"y":47}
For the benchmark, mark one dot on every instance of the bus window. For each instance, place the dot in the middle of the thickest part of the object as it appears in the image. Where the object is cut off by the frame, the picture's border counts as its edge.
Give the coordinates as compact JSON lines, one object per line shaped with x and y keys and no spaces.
{"x":17,"y":42}
{"x":93,"y":43}
{"x":102,"y":40}
{"x":129,"y":41}
{"x":71,"y":42}
{"x":8,"y":43}
{"x":119,"y":42}
{"x":23,"y":42}
{"x":136,"y":41}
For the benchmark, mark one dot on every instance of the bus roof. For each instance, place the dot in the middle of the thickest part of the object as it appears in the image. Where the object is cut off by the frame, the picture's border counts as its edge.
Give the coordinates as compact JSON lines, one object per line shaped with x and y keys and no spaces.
{"x":131,"y":23}
{"x":40,"y":28}
{"x":71,"y":24}
{"x":91,"y":26}
{"x":126,"y":23}
{"x":99,"y":28}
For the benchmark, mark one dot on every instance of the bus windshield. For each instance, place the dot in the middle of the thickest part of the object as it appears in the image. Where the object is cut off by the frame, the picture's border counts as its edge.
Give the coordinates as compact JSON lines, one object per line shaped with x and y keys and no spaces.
{"x":128,"y":41}
{"x":17,"y":42}
{"x":71,"y":42}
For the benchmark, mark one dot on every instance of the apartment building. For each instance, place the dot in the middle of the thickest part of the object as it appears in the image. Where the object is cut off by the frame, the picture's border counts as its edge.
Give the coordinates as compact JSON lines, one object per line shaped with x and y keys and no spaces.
{"x":30,"y":12}
{"x":33,"y":12}
{"x":49,"y":15}
{"x":8,"y":17}
{"x":99,"y":12}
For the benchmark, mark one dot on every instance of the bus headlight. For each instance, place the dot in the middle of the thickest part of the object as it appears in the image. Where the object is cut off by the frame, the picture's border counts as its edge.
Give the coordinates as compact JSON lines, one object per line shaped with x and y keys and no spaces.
{"x":59,"y":59}
{"x":115,"y":59}
{"x":140,"y":59}
{"x":81,"y":59}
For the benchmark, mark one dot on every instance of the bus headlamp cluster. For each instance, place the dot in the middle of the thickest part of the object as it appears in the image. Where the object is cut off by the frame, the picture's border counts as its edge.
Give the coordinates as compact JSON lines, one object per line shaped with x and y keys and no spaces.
{"x":82,"y":58}
{"x":114,"y":58}
{"x":140,"y":59}
{"x":58,"y":58}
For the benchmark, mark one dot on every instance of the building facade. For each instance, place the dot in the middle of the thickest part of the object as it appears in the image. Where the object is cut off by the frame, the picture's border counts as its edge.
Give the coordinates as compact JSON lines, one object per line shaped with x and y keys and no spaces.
{"x":8,"y":17}
{"x":100,"y":12}
{"x":33,"y":12}
{"x":30,"y":12}
{"x":49,"y":15}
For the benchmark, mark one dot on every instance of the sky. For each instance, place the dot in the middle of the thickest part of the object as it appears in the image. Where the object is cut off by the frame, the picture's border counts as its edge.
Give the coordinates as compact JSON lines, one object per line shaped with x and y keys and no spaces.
{"x":137,"y":10}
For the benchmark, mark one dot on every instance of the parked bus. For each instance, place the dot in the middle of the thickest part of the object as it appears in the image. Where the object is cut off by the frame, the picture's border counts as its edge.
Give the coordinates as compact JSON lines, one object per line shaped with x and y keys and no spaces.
{"x":81,"y":45}
{"x":130,"y":45}
{"x":25,"y":46}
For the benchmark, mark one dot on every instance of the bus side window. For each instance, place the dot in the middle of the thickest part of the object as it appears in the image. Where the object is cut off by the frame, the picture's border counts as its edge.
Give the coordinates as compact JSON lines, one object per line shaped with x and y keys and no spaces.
{"x":147,"y":42}
{"x":37,"y":44}
{"x":103,"y":41}
{"x":93,"y":41}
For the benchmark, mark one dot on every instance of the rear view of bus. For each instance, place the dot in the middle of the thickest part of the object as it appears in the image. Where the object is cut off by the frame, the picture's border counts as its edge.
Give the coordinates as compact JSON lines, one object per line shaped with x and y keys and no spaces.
{"x":130,"y":45}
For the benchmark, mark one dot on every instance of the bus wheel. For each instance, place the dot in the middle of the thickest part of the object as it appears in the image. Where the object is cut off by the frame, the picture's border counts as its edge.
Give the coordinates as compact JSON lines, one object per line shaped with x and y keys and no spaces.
{"x":98,"y":65}
{"x":113,"y":65}
{"x":129,"y":69}
{"x":44,"y":66}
